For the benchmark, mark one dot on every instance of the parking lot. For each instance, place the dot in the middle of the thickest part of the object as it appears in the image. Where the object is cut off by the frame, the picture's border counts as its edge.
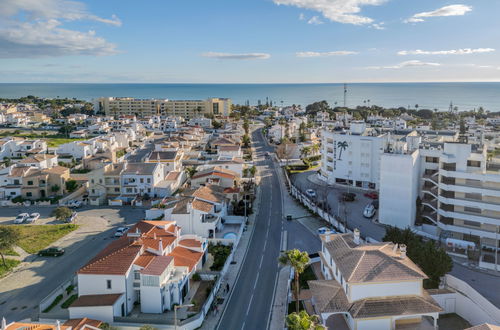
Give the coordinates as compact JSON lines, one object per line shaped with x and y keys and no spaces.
{"x":22,"y":290}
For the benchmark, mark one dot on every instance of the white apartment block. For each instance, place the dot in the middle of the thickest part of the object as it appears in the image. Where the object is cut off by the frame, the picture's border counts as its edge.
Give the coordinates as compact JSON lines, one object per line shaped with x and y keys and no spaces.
{"x":458,"y":187}
{"x":118,"y":106}
{"x":353,"y":157}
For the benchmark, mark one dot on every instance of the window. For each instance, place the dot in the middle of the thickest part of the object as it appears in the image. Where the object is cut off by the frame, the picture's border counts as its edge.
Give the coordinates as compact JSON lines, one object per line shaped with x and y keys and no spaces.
{"x":108,"y":284}
{"x":117,"y":189}
{"x":149,"y":180}
{"x":29,"y":194}
{"x":93,"y":191}
{"x":472,"y":209}
{"x":30,"y":183}
{"x":141,"y":180}
{"x":472,"y":223}
{"x":473,"y":163}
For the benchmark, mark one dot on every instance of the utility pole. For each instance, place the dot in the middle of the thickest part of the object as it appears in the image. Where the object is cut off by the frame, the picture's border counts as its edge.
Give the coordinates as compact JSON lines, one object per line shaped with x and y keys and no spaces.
{"x":345,"y":95}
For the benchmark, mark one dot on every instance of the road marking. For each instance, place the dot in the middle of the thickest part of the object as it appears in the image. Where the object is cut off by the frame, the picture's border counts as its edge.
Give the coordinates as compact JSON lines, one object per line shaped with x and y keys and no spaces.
{"x":261,"y":258}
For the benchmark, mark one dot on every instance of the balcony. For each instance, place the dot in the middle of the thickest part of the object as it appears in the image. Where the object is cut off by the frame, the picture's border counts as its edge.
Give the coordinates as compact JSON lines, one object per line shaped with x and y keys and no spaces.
{"x":209,"y":218}
{"x":468,"y":216}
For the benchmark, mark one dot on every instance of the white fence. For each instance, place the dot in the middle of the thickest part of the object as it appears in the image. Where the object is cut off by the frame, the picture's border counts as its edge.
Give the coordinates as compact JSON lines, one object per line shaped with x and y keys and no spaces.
{"x":467,"y":302}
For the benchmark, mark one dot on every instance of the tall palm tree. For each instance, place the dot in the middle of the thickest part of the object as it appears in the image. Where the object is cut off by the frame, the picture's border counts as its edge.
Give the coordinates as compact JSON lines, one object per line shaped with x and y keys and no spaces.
{"x":298,"y":260}
{"x":303,"y":321}
{"x":342,"y":146}
{"x":315,"y":148}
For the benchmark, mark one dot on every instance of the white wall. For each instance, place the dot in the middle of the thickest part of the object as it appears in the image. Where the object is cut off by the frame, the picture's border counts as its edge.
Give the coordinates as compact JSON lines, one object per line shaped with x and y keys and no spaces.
{"x":103,"y":313}
{"x":97,"y":284}
{"x":399,"y":182}
{"x":374,"y":324}
{"x":151,"y":299}
{"x":360,"y":291}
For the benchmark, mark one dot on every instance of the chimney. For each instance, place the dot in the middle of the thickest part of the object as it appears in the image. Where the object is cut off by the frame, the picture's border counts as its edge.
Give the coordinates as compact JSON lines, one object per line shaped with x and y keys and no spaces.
{"x":402,"y":250}
{"x":327,"y":238}
{"x":356,"y":236}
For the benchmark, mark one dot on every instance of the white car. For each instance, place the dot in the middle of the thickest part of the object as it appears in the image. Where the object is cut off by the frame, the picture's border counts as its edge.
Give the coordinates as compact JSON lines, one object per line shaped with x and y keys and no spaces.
{"x":74,"y":204}
{"x":33,"y":217}
{"x":311,"y":193}
{"x":369,"y":211}
{"x":72,"y":218}
{"x":121,"y":231}
{"x":326,"y":230}
{"x":21,"y":218}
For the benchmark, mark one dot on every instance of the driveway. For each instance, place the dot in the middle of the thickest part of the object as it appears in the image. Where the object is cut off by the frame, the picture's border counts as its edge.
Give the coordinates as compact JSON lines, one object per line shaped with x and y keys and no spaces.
{"x":23,"y":289}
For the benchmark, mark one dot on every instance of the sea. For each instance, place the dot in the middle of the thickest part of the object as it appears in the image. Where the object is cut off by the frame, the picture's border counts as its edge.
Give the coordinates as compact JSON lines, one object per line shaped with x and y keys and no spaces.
{"x":463,"y":95}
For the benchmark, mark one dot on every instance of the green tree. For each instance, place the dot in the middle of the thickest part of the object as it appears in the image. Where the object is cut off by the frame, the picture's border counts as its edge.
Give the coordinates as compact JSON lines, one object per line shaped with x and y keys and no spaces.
{"x":62,"y":213}
{"x":216,"y":124}
{"x":147,"y":327}
{"x":71,"y":185}
{"x":190,"y":171}
{"x":302,"y":321}
{"x":8,"y":238}
{"x":246,"y":126}
{"x":55,"y":188}
{"x":252,"y":170}
{"x":298,"y":260}
{"x":305,"y":152}
{"x":245,"y":139}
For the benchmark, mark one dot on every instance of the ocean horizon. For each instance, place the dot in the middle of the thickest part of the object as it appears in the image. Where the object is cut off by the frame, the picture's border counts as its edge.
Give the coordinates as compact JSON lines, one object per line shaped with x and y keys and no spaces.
{"x":428,"y":95}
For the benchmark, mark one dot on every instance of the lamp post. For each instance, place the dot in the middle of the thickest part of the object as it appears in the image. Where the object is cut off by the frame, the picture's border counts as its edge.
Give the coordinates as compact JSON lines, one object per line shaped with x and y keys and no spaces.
{"x":176,"y":307}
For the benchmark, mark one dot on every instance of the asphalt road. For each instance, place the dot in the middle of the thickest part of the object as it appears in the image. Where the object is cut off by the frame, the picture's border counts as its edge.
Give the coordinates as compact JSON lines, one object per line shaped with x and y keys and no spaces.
{"x":251,"y":300}
{"x":22,"y":290}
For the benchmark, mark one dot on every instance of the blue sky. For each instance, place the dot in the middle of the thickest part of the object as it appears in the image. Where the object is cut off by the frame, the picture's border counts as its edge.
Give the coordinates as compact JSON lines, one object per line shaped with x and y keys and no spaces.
{"x":218,"y":41}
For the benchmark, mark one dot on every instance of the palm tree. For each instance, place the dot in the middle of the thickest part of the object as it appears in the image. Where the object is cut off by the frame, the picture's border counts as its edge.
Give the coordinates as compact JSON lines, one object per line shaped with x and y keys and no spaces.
{"x":303,"y":321}
{"x":190,"y":171}
{"x":342,"y":146}
{"x":306,"y":151}
{"x":315,"y":148}
{"x":298,"y":260}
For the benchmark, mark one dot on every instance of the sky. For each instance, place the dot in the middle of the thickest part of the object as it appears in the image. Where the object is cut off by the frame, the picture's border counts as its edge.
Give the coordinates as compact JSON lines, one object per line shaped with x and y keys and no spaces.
{"x":249,"y":41}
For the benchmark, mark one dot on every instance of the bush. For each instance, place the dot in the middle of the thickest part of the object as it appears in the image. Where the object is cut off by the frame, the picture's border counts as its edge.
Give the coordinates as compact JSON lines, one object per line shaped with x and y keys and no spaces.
{"x":18,"y":199}
{"x":56,"y":301}
{"x":69,"y":301}
{"x":71,"y":185}
{"x":70,"y":288}
{"x":220,"y":253}
{"x":196,"y":277}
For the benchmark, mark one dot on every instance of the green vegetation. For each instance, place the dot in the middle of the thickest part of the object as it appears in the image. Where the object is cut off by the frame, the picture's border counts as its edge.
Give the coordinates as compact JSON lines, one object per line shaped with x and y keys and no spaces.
{"x":8,"y":266}
{"x":55,"y":142}
{"x":220,"y":253}
{"x":69,"y":301}
{"x":307,"y":275}
{"x":147,"y":327}
{"x":33,"y":238}
{"x":81,"y":171}
{"x":196,"y":277}
{"x":62,"y":213}
{"x":70,"y":288}
{"x":71,"y":185}
{"x":433,"y":260}
{"x":303,"y":321}
{"x":298,"y":260}
{"x":56,"y":302}
{"x":8,"y":238}
{"x":121,"y":153}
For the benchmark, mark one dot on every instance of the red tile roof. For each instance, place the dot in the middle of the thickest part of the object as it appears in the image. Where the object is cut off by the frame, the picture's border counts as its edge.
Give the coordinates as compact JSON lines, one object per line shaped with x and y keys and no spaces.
{"x":186,"y":257}
{"x":157,"y":265}
{"x":96,"y":300}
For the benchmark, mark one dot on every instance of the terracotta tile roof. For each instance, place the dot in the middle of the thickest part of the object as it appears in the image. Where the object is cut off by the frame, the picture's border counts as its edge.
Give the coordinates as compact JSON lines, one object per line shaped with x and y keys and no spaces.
{"x":78,"y":324}
{"x":57,"y":170}
{"x":19,"y":171}
{"x":231,"y":190}
{"x":116,"y":262}
{"x":186,"y":257}
{"x":329,"y":297}
{"x":202,"y":205}
{"x":229,"y":148}
{"x":144,"y":259}
{"x":172,"y":175}
{"x":211,"y":193}
{"x":96,"y":300}
{"x":370,"y":262}
{"x":33,"y":326}
{"x":216,"y":171}
{"x":157,"y":265}
{"x":190,"y":243}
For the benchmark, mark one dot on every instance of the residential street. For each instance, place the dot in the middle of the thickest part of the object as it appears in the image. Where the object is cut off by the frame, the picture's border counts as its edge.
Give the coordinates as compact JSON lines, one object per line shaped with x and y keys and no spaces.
{"x":251,"y":300}
{"x":22,"y":290}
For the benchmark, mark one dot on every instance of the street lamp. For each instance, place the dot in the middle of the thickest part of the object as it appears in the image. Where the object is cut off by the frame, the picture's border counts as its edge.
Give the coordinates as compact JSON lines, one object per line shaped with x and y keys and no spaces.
{"x":176,"y":307}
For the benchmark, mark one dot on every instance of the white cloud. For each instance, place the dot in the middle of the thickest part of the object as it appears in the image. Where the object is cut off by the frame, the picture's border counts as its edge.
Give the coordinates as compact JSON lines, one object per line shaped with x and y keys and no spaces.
{"x":406,"y":64}
{"x":378,"y":26}
{"x":341,"y":11}
{"x":302,"y":17}
{"x":315,"y":20}
{"x":325,"y":54}
{"x":34,"y":28}
{"x":231,"y":56}
{"x":461,"y":51}
{"x":451,"y":10}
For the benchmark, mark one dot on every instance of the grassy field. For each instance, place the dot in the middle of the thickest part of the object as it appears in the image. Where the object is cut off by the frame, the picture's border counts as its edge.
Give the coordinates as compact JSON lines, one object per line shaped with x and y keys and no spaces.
{"x":10,"y":264}
{"x":52,"y":140}
{"x":34,"y":238}
{"x":55,"y":142}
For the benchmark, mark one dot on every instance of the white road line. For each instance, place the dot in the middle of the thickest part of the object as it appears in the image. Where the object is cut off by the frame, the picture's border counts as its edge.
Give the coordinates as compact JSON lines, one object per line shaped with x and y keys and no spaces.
{"x":261,"y":259}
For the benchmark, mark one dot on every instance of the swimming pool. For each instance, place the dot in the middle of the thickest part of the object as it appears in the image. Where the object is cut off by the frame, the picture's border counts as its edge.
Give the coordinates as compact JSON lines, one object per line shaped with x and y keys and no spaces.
{"x":230,"y":235}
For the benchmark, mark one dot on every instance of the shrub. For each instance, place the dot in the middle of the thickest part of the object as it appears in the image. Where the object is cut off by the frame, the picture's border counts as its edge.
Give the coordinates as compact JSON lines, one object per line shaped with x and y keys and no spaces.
{"x":54,"y":304}
{"x":220,"y":253}
{"x":69,"y":301}
{"x":70,"y":288}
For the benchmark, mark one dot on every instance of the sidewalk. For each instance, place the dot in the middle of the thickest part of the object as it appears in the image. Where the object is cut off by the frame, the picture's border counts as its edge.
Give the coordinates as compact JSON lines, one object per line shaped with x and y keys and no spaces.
{"x":280,"y":306}
{"x":212,"y":318}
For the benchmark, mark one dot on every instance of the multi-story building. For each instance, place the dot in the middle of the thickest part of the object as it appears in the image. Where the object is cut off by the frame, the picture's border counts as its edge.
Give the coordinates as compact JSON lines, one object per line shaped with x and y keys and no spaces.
{"x":114,"y":106}
{"x":353,"y":157}
{"x":370,"y":286}
{"x":141,"y":178}
{"x":458,"y":188}
{"x":150,"y":266}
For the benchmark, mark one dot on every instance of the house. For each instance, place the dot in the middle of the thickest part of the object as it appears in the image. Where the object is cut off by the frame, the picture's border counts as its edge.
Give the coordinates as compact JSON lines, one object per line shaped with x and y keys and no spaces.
{"x":104,"y":183}
{"x":150,"y":266}
{"x":140,"y":178}
{"x":41,"y":161}
{"x":215,"y":175}
{"x":72,"y":324}
{"x":229,"y":152}
{"x":170,"y":159}
{"x":370,"y":286}
{"x":172,"y":182}
{"x":77,"y":149}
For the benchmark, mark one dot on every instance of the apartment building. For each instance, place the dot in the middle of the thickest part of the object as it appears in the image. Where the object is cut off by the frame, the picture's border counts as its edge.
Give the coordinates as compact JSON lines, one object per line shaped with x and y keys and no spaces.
{"x":141,"y":178}
{"x":458,"y":187}
{"x":353,"y":157}
{"x":370,"y":286}
{"x":151,"y":267}
{"x":118,"y":106}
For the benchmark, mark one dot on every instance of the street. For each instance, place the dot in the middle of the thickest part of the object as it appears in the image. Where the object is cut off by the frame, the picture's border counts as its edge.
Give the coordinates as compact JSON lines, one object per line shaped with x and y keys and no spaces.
{"x":251,"y":301}
{"x":22,"y":290}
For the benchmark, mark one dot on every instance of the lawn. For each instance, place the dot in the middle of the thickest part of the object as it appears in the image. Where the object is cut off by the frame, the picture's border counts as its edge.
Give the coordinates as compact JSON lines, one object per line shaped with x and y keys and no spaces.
{"x":34,"y":238}
{"x":55,"y":142}
{"x":10,"y":264}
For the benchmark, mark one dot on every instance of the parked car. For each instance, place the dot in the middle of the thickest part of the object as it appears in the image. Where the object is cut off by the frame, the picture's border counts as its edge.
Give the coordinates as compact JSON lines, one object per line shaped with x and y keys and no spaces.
{"x":21,"y":218}
{"x":51,"y":252}
{"x":33,"y":217}
{"x":310,"y":193}
{"x":74,"y":204}
{"x":375,"y":204}
{"x":348,"y":197}
{"x":121,"y":231}
{"x":72,"y":218}
{"x":369,"y":211}
{"x":372,"y":195}
{"x":326,"y":230}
